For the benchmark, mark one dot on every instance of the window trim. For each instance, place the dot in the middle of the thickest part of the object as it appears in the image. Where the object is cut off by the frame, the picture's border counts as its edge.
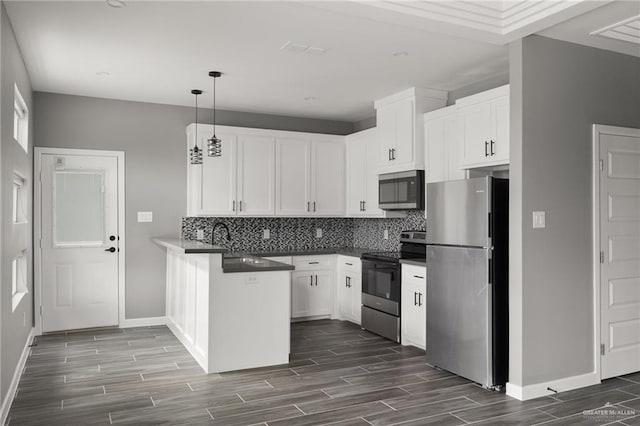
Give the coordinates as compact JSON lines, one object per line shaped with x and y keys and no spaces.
{"x":21,"y":124}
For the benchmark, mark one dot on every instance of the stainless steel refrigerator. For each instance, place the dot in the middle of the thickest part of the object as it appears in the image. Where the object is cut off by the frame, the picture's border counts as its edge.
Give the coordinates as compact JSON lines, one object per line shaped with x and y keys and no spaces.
{"x":467,"y":278}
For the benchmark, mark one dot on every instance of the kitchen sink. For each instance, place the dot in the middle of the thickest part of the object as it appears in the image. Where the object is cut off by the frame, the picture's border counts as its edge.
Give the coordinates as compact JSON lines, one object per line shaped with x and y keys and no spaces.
{"x":244,"y":261}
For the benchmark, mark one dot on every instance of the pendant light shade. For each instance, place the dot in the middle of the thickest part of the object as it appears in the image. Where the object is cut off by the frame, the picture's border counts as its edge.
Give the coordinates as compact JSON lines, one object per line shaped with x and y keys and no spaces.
{"x":195,"y":153}
{"x":214,"y":144}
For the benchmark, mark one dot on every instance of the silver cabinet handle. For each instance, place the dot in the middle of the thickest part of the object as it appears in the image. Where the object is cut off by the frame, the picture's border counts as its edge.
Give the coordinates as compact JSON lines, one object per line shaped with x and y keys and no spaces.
{"x":415,"y":299}
{"x":486,"y":148}
{"x":364,"y":206}
{"x":313,"y":263}
{"x":393,"y":153}
{"x":491,"y":150}
{"x":418,"y":276}
{"x":240,"y":205}
{"x":234,"y":205}
{"x":308,"y":203}
{"x":347,"y":263}
{"x":314,"y":206}
{"x":390,"y":155}
{"x":310,"y":279}
{"x":419,"y":299}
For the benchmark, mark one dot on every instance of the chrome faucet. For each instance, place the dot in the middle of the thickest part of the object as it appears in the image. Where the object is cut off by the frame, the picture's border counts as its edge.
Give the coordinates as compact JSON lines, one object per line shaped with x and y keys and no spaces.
{"x":213,"y":232}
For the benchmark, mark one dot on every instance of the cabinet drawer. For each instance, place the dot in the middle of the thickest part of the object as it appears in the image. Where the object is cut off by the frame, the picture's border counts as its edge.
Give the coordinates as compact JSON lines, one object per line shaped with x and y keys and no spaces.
{"x":414,"y":273}
{"x":348,"y":263}
{"x":303,"y":263}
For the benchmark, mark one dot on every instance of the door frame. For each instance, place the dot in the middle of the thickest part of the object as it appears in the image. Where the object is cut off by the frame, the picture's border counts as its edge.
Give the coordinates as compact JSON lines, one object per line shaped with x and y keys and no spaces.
{"x":600,"y":129}
{"x":37,"y":226}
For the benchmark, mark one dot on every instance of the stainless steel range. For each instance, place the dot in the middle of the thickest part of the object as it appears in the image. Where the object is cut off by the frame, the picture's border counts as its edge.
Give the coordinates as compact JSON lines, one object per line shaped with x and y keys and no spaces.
{"x":381,"y":289}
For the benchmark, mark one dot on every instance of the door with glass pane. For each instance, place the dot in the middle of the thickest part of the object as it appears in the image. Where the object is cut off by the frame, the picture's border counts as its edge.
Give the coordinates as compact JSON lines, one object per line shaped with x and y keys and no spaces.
{"x":80,"y":242}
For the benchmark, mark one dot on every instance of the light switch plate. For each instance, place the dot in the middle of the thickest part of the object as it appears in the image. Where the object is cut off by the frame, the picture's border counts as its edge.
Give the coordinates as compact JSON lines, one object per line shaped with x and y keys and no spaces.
{"x":200,"y":234}
{"x":318,"y":232}
{"x":266,"y":234}
{"x":538,"y":220}
{"x":145,"y":216}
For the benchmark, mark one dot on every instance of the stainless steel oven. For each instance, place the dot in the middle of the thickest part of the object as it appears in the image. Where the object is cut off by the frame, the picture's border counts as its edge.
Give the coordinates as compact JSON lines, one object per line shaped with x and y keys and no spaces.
{"x":401,"y":191}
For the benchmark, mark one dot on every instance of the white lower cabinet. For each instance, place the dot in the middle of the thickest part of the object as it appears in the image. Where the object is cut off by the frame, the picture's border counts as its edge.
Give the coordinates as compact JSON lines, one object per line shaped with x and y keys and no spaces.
{"x":349,"y":289}
{"x":414,"y":305}
{"x":312,"y":286}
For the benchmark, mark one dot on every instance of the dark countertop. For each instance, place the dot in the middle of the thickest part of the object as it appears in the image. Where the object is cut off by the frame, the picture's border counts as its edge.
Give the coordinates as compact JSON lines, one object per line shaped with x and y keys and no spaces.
{"x":252,"y":264}
{"x":345,"y":251}
{"x":415,"y":262}
{"x":188,"y":246}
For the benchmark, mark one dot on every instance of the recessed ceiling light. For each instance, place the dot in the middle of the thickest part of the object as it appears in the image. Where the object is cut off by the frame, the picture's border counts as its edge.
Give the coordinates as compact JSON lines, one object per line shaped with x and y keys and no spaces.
{"x":399,"y":54}
{"x":103,"y":74}
{"x":310,"y":98}
{"x":116,"y":3}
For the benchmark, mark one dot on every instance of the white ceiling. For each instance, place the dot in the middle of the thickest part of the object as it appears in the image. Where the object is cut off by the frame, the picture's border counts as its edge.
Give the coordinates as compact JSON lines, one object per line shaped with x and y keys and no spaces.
{"x":157,"y":51}
{"x":579,"y":30}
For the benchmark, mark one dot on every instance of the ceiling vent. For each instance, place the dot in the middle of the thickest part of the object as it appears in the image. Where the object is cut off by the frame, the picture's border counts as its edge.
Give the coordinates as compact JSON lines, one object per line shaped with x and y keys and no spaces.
{"x":627,"y":30}
{"x":303,"y":48}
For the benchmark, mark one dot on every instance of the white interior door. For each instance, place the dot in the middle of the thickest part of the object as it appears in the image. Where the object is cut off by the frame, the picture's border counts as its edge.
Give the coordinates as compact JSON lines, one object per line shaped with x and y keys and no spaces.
{"x":620,"y":252}
{"x":79,"y":242}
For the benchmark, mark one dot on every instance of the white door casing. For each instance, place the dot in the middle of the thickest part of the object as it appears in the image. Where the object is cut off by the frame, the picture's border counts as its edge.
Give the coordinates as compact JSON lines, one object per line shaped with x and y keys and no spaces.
{"x":79,"y":206}
{"x":617,"y":189}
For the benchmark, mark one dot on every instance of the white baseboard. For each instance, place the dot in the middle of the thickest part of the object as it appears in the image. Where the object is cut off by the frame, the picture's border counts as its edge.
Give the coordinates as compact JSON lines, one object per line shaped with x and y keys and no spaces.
{"x":143,"y":322}
{"x":13,"y":387}
{"x":524,"y":393}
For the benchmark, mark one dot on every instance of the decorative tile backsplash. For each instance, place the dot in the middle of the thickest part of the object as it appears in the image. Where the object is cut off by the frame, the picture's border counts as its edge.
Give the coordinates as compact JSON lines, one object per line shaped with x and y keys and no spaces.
{"x":300,"y":233}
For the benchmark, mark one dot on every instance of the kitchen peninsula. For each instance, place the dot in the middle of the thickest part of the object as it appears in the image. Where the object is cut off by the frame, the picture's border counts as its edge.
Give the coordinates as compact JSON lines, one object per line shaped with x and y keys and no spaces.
{"x":230,"y":314}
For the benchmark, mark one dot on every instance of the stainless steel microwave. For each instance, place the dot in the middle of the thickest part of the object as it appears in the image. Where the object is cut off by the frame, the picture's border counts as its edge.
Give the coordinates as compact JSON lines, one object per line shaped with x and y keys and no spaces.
{"x":401,"y":191}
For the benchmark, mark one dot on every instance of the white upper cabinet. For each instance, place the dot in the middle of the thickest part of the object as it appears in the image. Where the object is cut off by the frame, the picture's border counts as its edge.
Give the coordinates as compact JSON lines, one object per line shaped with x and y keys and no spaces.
{"x":484,"y":128}
{"x":310,"y":176}
{"x":211,"y":186}
{"x":327,"y":179}
{"x":293,"y":177}
{"x":443,"y":147}
{"x":256,"y":176}
{"x":399,"y":124}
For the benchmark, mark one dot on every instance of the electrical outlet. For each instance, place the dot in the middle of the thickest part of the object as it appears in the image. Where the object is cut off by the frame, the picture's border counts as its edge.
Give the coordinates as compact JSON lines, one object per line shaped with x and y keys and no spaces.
{"x":266,"y":234}
{"x":386,"y":234}
{"x":318,"y":232}
{"x":200,"y":234}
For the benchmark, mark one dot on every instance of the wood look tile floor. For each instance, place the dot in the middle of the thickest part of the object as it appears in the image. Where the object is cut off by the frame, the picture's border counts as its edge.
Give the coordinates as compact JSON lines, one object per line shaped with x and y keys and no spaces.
{"x":338,"y":375}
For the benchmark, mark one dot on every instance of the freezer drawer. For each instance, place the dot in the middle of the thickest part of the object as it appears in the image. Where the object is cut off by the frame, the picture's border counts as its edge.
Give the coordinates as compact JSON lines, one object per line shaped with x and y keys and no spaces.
{"x":459,"y":329}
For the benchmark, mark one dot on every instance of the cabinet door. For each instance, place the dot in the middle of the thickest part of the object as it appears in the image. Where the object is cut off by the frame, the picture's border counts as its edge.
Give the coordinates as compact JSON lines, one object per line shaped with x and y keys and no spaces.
{"x":453,"y":149}
{"x":345,"y":291}
{"x":413,"y":314}
{"x":371,"y":199}
{"x":475,"y":129}
{"x":387,"y":134}
{"x":256,"y":175}
{"x":320,"y":303}
{"x":405,"y":132}
{"x":356,"y":175}
{"x":356,"y":297}
{"x":500,"y":130}
{"x":302,"y":294}
{"x":327,"y":193}
{"x":434,"y":131}
{"x":218,"y":179}
{"x":293,"y":177}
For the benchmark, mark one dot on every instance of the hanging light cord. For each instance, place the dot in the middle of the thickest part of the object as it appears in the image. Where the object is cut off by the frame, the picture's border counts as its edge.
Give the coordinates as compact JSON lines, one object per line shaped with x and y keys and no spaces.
{"x":214,"y":107}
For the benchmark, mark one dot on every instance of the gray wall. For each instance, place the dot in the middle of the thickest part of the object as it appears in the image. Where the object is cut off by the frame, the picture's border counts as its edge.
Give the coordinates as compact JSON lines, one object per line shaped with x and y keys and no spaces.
{"x":14,"y":325}
{"x":153,"y":139}
{"x":565,"y":89}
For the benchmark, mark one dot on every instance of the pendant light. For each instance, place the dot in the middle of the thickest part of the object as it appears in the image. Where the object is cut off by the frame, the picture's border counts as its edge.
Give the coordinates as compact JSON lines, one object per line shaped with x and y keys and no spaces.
{"x":214,"y":144}
{"x":195,"y":153}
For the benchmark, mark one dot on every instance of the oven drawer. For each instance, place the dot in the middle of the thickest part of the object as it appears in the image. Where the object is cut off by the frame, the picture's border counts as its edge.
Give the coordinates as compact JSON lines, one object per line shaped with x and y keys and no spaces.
{"x":380,"y":323}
